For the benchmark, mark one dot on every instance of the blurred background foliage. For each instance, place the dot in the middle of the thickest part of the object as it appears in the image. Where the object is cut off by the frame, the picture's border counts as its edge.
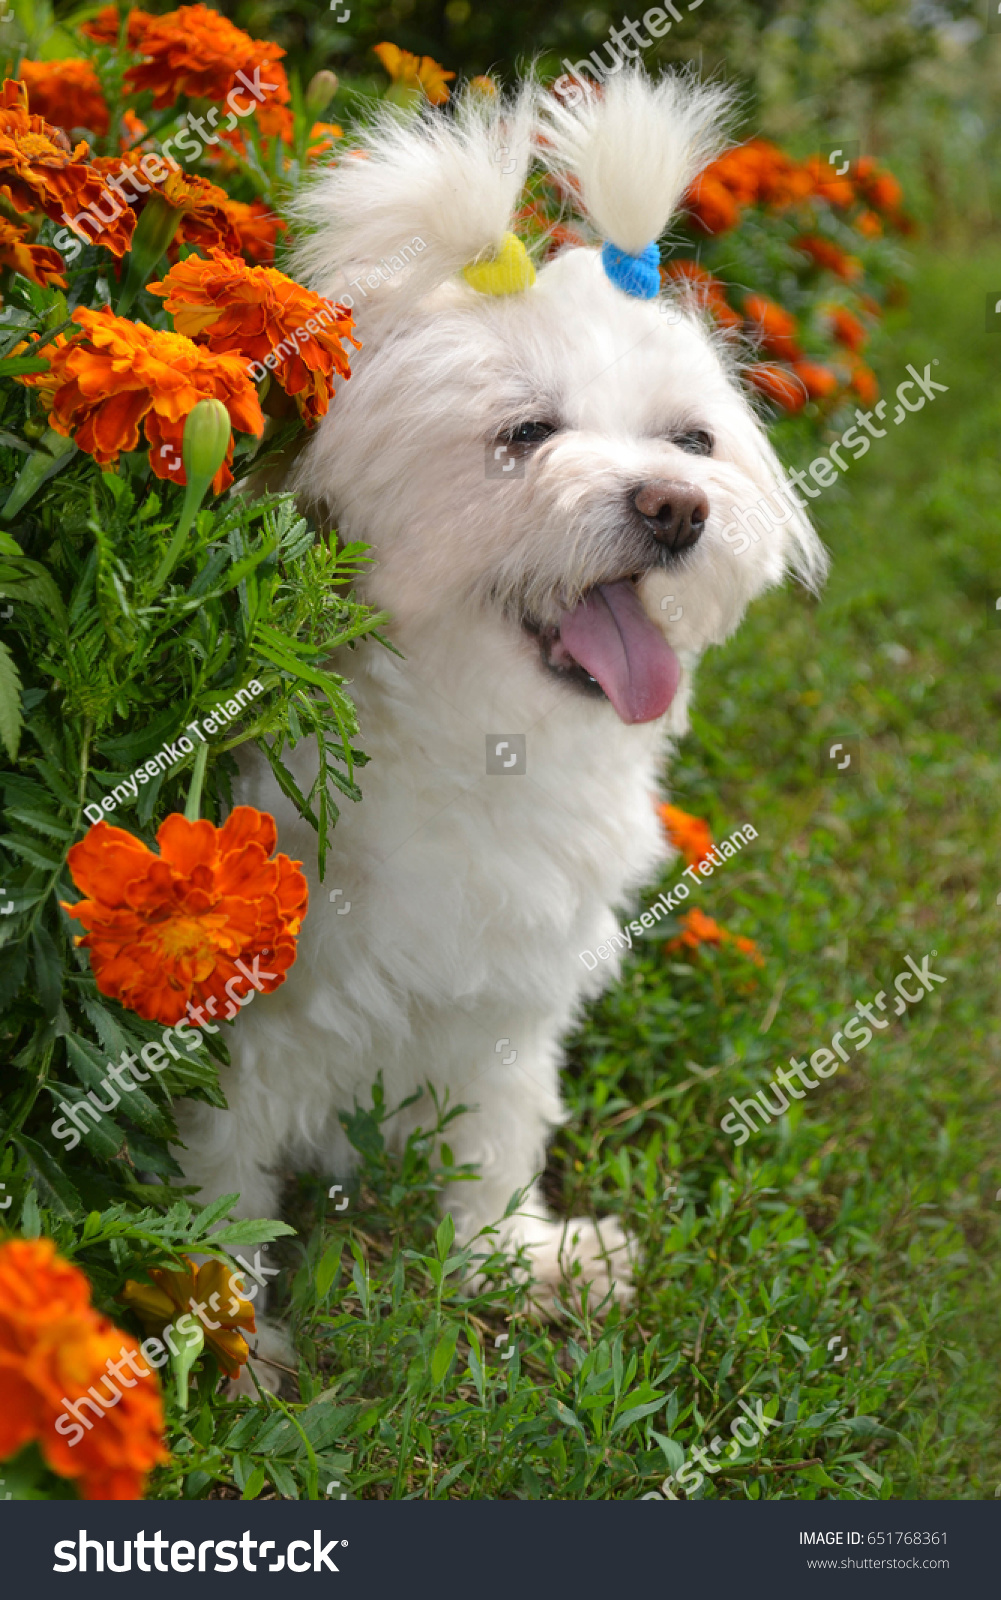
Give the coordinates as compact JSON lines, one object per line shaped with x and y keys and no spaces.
{"x":918,"y":82}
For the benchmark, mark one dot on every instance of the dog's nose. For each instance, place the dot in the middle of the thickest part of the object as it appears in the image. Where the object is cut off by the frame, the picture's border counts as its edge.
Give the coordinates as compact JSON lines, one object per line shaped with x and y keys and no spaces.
{"x":676,"y":511}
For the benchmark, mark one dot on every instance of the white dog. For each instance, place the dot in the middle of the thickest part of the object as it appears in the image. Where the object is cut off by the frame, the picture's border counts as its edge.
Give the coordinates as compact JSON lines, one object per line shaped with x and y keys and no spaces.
{"x":536,"y":471}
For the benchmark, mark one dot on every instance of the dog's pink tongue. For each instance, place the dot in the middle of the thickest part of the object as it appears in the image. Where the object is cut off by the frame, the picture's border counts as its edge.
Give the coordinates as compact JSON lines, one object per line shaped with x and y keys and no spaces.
{"x":611,"y":637}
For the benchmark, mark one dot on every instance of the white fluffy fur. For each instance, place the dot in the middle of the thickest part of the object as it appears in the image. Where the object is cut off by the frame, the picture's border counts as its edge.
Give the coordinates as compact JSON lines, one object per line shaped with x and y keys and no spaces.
{"x":453,"y":182}
{"x":471,"y":895}
{"x":634,"y":148}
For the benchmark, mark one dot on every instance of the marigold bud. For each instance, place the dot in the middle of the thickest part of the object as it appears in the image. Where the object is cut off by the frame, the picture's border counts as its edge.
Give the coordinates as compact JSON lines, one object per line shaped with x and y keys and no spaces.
{"x":207,"y":433}
{"x":204,"y":444}
{"x":154,"y":231}
{"x":320,"y":91}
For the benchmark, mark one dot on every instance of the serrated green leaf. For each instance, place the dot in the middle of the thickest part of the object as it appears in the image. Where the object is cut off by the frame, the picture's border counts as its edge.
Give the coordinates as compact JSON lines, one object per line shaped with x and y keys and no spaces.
{"x":104,"y":1138}
{"x":29,"y":582}
{"x":250,"y":1232}
{"x":54,"y":453}
{"x":48,"y":971}
{"x":43,"y":821}
{"x":29,"y":850}
{"x":53,"y":1185}
{"x":135,"y":1104}
{"x":203,"y":1220}
{"x":13,"y":971}
{"x":11,"y":716}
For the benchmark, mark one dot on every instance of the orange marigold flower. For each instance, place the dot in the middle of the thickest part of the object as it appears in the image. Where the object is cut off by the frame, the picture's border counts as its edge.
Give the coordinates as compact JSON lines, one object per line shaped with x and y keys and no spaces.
{"x":196,"y":52}
{"x":322,"y":137}
{"x":724,"y":315}
{"x":55,"y":1348}
{"x":839,"y":192}
{"x":206,"y":213}
{"x":774,"y":327}
{"x":212,"y":1287}
{"x":39,"y":262}
{"x":40,"y":171}
{"x":739,"y":171}
{"x":133,"y":129}
{"x":682,"y":270}
{"x":712,"y":205}
{"x":688,"y":834}
{"x":879,"y":187}
{"x":208,"y":216}
{"x":700,"y":929}
{"x":257,"y":229}
{"x":869,"y":224}
{"x":778,"y":384}
{"x":560,"y":237}
{"x":756,"y":173}
{"x":865,"y":383}
{"x":104,"y":27}
{"x":829,"y":255}
{"x":67,"y":93}
{"x":709,"y":291}
{"x":818,"y":381}
{"x":258,"y":312}
{"x":533,"y":221}
{"x":115,"y":375}
{"x":274,"y":120}
{"x":783,"y":182}
{"x":747,"y":947}
{"x":847,"y":329}
{"x":415,"y":72}
{"x":167,"y":930}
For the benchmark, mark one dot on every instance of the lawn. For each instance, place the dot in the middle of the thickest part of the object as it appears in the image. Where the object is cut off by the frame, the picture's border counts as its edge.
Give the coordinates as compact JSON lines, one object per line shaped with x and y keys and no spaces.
{"x":840,"y":1267}
{"x":835,"y":1274}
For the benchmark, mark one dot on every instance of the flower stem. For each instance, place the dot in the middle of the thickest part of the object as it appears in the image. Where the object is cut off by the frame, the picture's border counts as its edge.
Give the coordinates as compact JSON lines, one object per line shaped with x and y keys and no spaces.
{"x":192,"y":500}
{"x":193,"y":807}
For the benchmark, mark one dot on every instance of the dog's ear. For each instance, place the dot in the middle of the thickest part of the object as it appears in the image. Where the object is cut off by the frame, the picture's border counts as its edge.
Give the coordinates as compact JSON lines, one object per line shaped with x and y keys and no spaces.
{"x":798,"y":544}
{"x":631,"y":149}
{"x":416,"y":200}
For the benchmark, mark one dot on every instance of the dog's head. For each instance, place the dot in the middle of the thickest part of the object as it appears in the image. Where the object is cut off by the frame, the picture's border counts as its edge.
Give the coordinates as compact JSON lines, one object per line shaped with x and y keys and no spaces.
{"x":560,"y":455}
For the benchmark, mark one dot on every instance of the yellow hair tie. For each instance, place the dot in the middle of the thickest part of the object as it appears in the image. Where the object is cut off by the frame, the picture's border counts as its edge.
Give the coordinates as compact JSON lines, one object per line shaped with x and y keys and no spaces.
{"x":508,"y":272}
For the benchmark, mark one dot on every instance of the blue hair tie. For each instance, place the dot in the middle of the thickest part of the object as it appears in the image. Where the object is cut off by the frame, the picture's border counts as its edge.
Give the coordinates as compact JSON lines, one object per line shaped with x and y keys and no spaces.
{"x":636,"y":275}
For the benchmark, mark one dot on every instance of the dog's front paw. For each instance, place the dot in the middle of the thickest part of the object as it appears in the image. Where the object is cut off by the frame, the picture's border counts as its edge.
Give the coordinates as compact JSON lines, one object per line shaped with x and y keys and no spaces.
{"x":272,"y":1358}
{"x":566,"y":1255}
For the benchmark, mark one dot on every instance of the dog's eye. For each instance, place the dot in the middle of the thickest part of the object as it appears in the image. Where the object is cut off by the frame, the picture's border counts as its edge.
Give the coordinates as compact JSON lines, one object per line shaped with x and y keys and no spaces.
{"x":530,"y":433}
{"x":697,"y":443}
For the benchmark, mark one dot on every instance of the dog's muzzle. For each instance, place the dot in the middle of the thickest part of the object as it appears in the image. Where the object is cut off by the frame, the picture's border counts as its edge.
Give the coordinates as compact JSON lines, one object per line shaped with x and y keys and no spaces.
{"x":609,"y":646}
{"x":674,"y":511}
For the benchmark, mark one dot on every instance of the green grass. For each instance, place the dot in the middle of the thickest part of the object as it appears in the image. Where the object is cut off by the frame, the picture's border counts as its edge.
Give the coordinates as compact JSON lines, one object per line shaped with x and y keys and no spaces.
{"x":866,"y":1213}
